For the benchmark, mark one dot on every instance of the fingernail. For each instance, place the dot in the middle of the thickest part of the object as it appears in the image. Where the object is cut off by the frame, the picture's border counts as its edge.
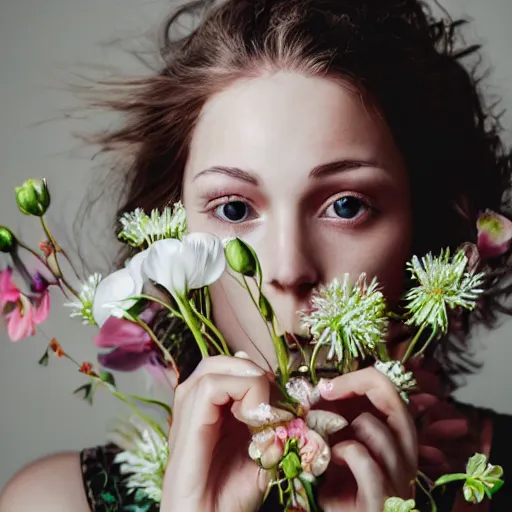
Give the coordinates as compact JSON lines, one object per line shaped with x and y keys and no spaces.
{"x":324,"y":385}
{"x":242,"y":355}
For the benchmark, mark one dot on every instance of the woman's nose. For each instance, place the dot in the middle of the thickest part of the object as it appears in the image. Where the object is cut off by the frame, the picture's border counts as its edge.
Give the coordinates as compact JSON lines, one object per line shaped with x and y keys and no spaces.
{"x":291,"y":260}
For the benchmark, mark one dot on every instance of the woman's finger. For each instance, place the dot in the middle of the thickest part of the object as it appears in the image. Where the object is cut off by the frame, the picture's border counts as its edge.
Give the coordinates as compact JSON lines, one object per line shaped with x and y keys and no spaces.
{"x":379,"y":440}
{"x":194,"y":436}
{"x":228,"y":365}
{"x":382,"y":394}
{"x":371,"y":483}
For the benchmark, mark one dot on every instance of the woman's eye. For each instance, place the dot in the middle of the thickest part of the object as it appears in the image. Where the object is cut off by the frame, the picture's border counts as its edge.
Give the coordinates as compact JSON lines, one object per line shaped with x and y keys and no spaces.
{"x":346,"y":207}
{"x":234,"y":211}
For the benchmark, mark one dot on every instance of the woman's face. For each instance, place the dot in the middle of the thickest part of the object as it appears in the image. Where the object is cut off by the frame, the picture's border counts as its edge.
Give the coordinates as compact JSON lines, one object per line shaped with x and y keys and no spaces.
{"x":297,"y":167}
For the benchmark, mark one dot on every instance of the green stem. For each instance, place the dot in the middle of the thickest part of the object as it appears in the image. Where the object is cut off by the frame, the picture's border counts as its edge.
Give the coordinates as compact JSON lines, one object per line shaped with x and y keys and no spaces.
{"x":312,"y":363}
{"x":427,"y":343}
{"x":34,"y":253}
{"x":57,"y":249}
{"x":446,"y":479}
{"x":189,"y":319}
{"x":150,"y":401}
{"x":157,"y":301}
{"x":413,"y":342}
{"x":210,"y":325}
{"x":135,"y":409}
{"x":279,"y":346}
{"x":433,"y":506}
{"x":168,"y":357}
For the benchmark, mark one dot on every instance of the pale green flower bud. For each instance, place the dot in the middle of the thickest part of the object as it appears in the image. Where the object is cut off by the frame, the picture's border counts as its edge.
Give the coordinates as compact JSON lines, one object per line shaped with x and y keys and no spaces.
{"x":7,"y":240}
{"x":241,"y":257}
{"x":33,"y":197}
{"x":265,"y":308}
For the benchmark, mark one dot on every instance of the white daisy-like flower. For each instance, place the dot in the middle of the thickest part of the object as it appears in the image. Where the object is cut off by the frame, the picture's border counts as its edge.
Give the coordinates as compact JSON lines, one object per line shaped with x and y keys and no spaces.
{"x":350,"y":318}
{"x":140,"y":229}
{"x":403,"y":380}
{"x":144,"y":458}
{"x":82,"y":307}
{"x":444,"y":284}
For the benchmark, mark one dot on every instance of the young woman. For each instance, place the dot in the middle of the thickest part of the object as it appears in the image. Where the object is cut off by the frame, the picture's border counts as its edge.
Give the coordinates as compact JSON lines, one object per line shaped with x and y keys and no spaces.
{"x":333,"y":136}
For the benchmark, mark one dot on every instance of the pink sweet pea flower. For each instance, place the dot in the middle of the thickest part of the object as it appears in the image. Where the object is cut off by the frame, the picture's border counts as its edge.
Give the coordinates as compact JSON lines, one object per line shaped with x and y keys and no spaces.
{"x":27,"y":311}
{"x":133,"y":347}
{"x":20,"y":321}
{"x":494,"y":234}
{"x":9,"y":292}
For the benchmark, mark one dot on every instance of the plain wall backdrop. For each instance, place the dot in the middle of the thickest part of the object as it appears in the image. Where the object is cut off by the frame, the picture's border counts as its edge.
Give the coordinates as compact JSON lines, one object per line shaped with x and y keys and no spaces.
{"x":42,"y":43}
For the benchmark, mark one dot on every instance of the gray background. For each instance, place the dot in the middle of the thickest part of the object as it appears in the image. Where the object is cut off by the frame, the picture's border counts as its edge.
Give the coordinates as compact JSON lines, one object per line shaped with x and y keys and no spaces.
{"x":42,"y":43}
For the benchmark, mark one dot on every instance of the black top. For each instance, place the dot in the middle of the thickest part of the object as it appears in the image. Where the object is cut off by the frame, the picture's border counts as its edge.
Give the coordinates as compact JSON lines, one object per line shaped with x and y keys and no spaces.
{"x":106,"y":492}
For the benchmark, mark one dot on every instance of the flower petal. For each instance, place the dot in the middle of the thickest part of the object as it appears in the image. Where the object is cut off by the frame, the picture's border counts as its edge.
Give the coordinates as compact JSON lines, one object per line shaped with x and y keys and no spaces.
{"x":42,"y":309}
{"x":112,"y":293}
{"x":134,"y":266}
{"x":118,"y":332}
{"x":204,"y":259}
{"x":20,"y":323}
{"x":164,"y":265}
{"x":123,"y":360}
{"x":494,"y":234}
{"x":9,"y":292}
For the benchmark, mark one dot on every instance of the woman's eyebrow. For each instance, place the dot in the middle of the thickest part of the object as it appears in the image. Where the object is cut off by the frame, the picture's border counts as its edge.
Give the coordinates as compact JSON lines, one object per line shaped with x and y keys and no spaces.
{"x":345,"y":164}
{"x":232,"y":172}
{"x":319,"y":171}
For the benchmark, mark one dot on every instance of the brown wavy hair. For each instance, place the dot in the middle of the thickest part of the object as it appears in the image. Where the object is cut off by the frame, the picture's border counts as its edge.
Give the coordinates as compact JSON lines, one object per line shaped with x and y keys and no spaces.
{"x":404,"y":62}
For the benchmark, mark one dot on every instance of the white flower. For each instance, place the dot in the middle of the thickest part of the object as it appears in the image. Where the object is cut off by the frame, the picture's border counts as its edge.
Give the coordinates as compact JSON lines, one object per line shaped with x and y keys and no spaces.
{"x":83,"y":306}
{"x":195,"y":262}
{"x":112,"y":293}
{"x":351,"y":318}
{"x":144,"y":459}
{"x":403,"y":380}
{"x":139,"y":229}
{"x":444,"y":283}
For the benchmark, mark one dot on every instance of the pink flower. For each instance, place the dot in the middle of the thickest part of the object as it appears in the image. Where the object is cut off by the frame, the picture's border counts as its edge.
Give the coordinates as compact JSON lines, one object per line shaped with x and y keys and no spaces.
{"x":9,"y":292}
{"x":133,"y":347}
{"x":494,"y":234}
{"x":21,"y":321}
{"x":23,"y":312}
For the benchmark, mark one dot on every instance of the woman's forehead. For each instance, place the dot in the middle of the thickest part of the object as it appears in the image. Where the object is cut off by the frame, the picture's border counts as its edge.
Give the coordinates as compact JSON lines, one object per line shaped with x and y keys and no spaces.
{"x":287,"y":120}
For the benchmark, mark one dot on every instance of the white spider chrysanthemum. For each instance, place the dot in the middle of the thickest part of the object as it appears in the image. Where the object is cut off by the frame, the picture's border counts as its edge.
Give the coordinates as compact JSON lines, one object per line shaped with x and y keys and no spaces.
{"x":444,"y":284}
{"x":144,"y":458}
{"x":350,"y":318}
{"x":140,"y":229}
{"x":82,"y":307}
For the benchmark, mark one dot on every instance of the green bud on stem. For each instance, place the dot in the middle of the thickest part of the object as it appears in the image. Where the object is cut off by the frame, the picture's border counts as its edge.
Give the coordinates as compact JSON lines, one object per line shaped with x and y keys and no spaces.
{"x":241,"y":257}
{"x":33,"y":197}
{"x":7,"y":240}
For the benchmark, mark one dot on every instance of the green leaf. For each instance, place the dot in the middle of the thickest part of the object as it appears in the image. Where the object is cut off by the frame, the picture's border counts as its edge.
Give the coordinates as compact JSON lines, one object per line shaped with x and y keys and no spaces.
{"x":87,"y":391}
{"x":496,"y":487}
{"x":108,"y":378}
{"x":291,"y":465}
{"x":45,"y":360}
{"x":395,"y":504}
{"x":108,"y":497}
{"x":493,"y":472}
{"x":476,"y":465}
{"x":150,"y":401}
{"x":473,"y":490}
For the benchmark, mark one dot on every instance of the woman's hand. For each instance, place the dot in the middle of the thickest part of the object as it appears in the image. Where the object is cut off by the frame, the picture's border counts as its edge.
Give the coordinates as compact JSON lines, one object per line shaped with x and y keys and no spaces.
{"x":209,"y":468}
{"x":377,"y":456}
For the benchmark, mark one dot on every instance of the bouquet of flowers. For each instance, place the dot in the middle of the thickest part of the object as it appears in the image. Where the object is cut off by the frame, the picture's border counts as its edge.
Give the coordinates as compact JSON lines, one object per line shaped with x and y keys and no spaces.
{"x":165,"y":283}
